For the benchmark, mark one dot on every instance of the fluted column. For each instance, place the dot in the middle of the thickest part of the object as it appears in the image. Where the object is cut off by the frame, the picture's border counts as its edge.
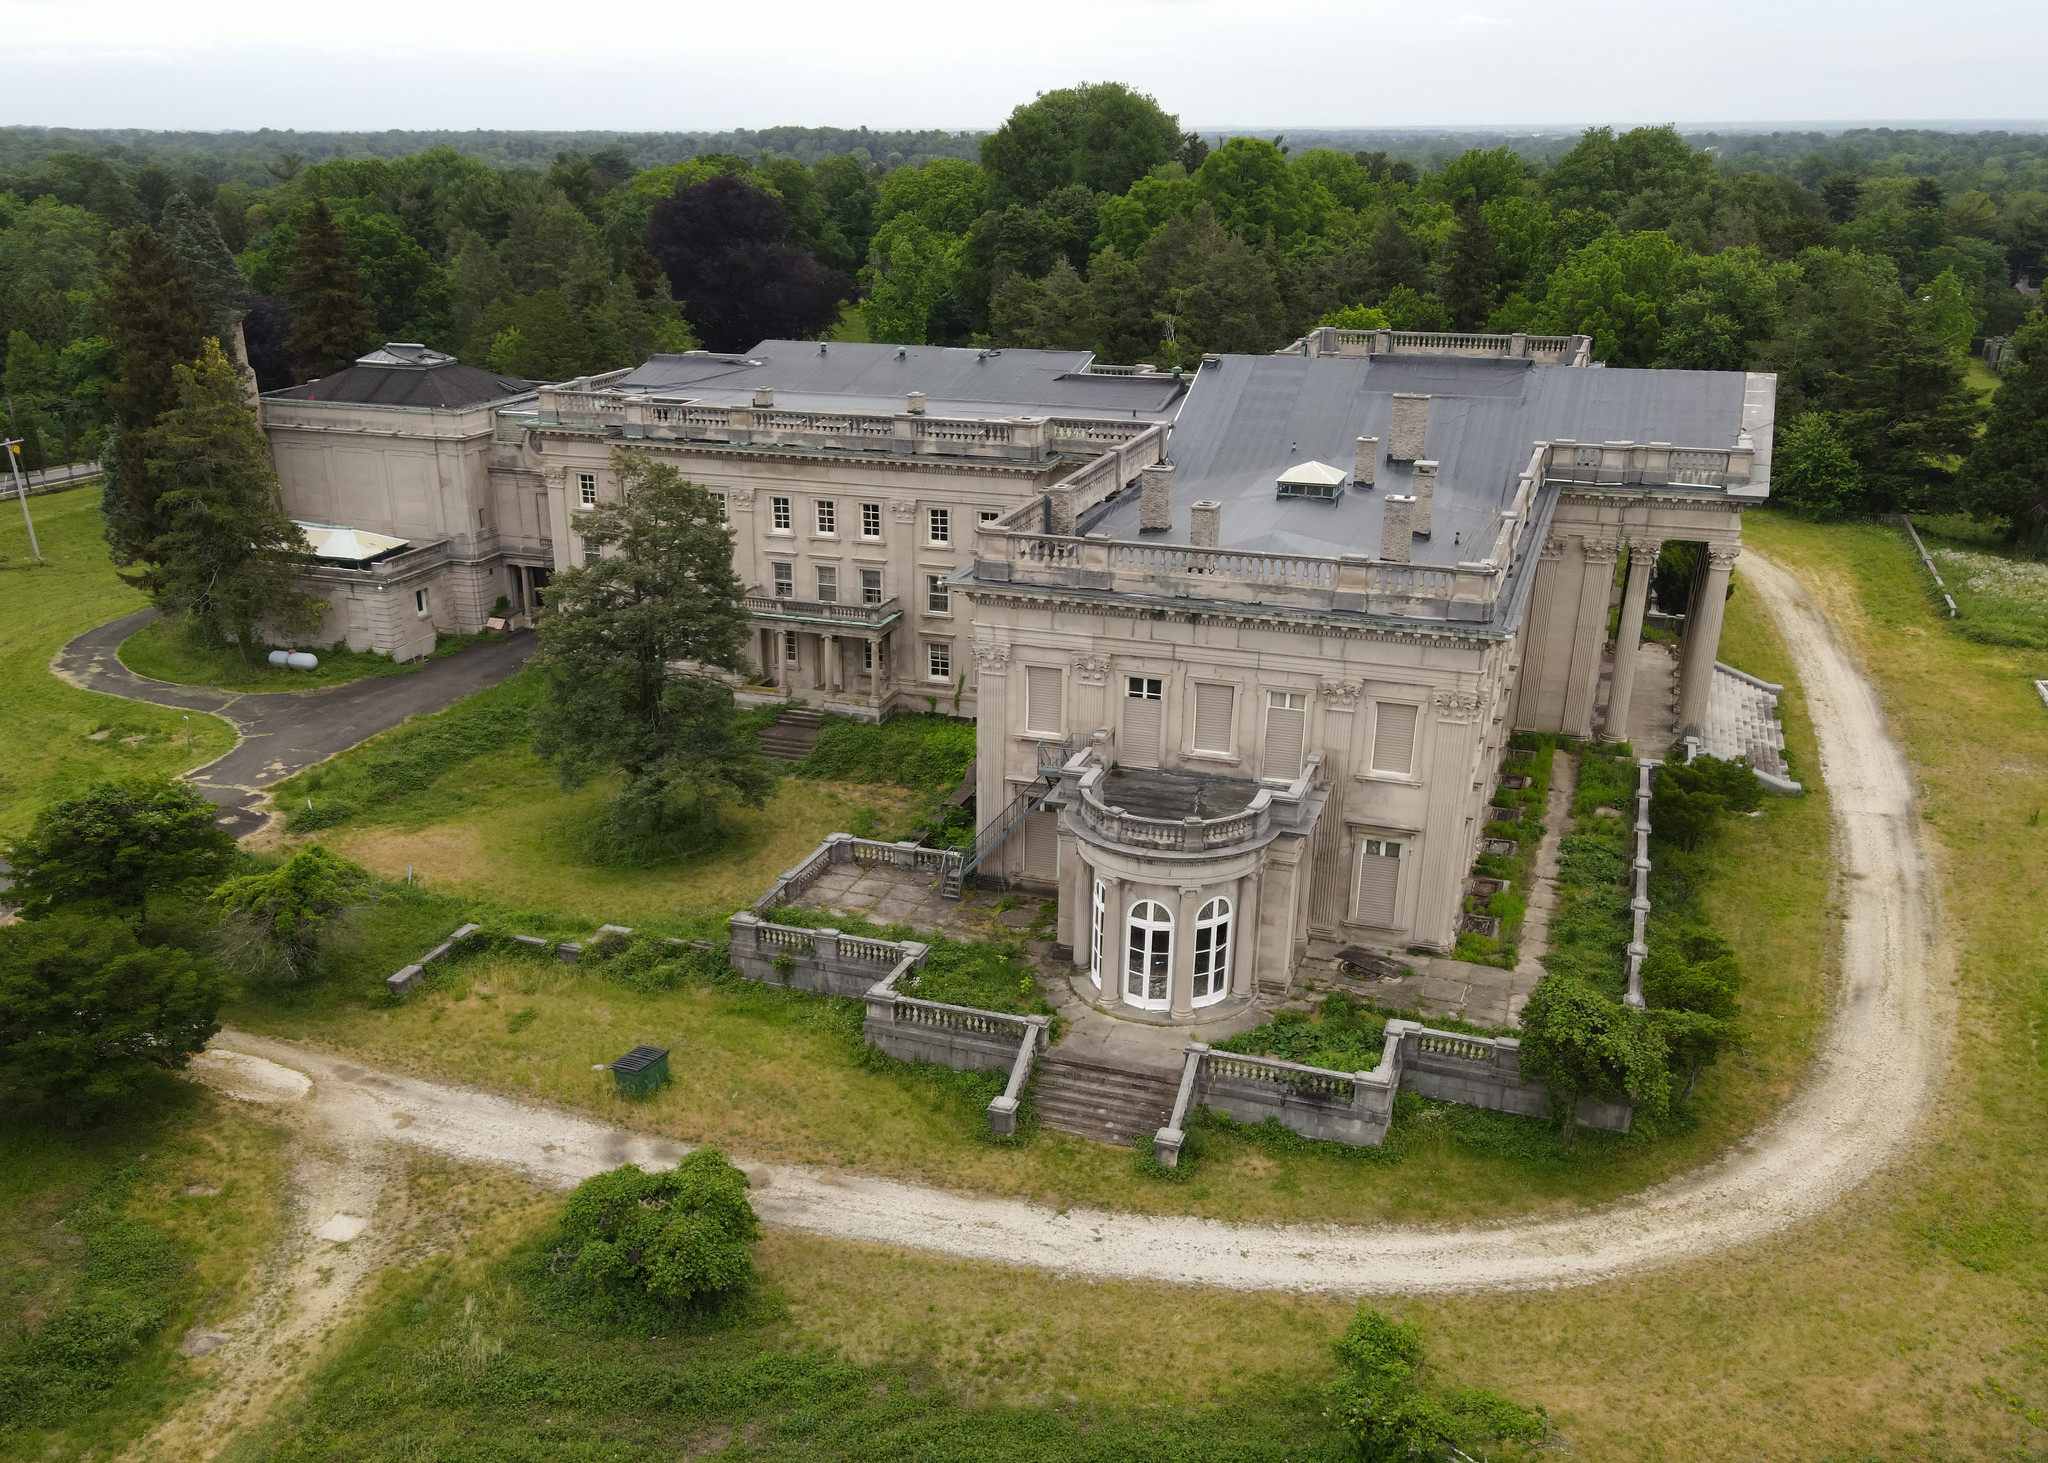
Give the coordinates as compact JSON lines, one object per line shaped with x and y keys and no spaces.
{"x":1589,"y":632}
{"x":1628,"y":635}
{"x":1703,"y":632}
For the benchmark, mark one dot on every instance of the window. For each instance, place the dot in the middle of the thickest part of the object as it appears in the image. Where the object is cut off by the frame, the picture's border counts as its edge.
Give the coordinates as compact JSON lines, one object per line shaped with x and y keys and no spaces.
{"x":785,"y":579}
{"x":871,"y":520}
{"x":1139,"y":745}
{"x":938,"y":660}
{"x":1148,"y":956}
{"x":778,"y":514}
{"x":937,"y":598}
{"x":1212,"y":952}
{"x":1286,"y":725}
{"x":419,"y":600}
{"x":586,"y":488}
{"x":867,"y":656}
{"x":1379,"y":878}
{"x":789,"y":646}
{"x":828,"y":517}
{"x":1393,"y":738}
{"x":1095,"y":934}
{"x":989,"y":515}
{"x":719,"y":499}
{"x":1214,"y":706}
{"x":870,"y":586}
{"x":939,"y":523}
{"x":828,"y":584}
{"x":1042,"y":700}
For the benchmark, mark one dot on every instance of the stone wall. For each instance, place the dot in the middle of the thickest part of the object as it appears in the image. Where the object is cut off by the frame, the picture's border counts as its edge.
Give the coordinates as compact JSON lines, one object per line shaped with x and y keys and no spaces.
{"x":825,"y":961}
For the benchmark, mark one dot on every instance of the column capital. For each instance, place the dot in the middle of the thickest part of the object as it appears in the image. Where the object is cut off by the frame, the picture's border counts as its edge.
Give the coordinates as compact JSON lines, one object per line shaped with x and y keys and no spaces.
{"x":1644,"y":547}
{"x":991,"y":658}
{"x":1600,"y":550}
{"x":1723,"y":556}
{"x":1457,"y":705}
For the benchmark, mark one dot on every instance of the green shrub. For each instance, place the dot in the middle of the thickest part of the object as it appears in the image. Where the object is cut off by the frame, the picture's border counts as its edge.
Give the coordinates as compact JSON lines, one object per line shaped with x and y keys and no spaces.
{"x":929,"y":753}
{"x":1584,"y":1045}
{"x":678,"y":1237}
{"x":1383,"y":1407}
{"x":1342,"y":1035}
{"x":273,"y":924}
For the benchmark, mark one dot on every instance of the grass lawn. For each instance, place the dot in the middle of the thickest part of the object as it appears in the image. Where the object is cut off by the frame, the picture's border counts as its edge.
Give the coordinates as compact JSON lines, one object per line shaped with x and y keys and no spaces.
{"x":46,"y":725}
{"x":168,"y":650}
{"x":105,"y":1253}
{"x":2001,"y":596}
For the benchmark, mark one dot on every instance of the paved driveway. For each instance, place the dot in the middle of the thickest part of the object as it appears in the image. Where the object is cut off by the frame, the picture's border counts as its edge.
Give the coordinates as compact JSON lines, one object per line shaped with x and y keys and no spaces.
{"x":284,"y":732}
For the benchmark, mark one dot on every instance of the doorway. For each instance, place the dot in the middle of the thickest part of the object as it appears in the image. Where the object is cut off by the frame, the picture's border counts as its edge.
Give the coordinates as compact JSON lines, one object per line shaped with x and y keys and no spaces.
{"x":1148,"y":958}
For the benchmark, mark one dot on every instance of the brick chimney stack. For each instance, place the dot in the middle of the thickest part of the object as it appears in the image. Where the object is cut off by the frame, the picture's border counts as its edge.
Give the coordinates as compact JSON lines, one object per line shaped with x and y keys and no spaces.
{"x":1409,"y":436}
{"x":1394,"y":530}
{"x":1155,"y":498}
{"x":764,"y":396}
{"x":1425,"y":497}
{"x":917,"y":403}
{"x":1205,"y":523}
{"x":1368,"y":461}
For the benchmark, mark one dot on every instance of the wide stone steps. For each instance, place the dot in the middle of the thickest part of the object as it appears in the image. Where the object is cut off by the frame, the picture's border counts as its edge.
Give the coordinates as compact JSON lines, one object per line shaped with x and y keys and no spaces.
{"x":1108,"y":1104}
{"x":792,"y":736}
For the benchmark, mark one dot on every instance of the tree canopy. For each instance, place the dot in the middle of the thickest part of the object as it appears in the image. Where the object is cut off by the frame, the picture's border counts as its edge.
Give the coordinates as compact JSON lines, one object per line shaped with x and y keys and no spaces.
{"x":679,"y":1237}
{"x":738,"y":280}
{"x":115,"y":846}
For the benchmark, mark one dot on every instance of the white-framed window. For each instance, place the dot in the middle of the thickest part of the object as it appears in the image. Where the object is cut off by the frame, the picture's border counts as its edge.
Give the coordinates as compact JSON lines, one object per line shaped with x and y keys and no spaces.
{"x":419,"y":601}
{"x":1215,"y":713}
{"x":870,"y":586}
{"x":1095,"y":934}
{"x":938,"y":659}
{"x":871,"y":520}
{"x":778,"y":514}
{"x":1393,"y":737}
{"x":989,"y":515}
{"x":784,"y":578}
{"x":937,"y":598}
{"x":789,"y":646}
{"x":1212,"y":952}
{"x":1044,"y":702}
{"x":1286,"y":727}
{"x":1379,"y":880}
{"x":586,"y":489}
{"x":1148,"y":956}
{"x":719,"y":499}
{"x":1138,"y":745}
{"x":867,"y":656}
{"x":938,"y":525}
{"x":828,"y":584}
{"x":828,"y":516}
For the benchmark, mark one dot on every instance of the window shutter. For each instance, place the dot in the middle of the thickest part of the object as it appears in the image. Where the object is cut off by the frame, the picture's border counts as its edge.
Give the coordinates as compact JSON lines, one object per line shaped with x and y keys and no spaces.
{"x":1042,"y":699}
{"x":1213,"y":705}
{"x":1284,"y":730}
{"x":1379,"y":873}
{"x":1042,"y":843}
{"x":1393,"y":738}
{"x":1140,"y":745}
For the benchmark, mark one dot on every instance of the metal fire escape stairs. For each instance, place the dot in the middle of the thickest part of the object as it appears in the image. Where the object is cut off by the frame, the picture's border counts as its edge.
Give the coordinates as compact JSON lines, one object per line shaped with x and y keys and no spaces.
{"x":994,"y":833}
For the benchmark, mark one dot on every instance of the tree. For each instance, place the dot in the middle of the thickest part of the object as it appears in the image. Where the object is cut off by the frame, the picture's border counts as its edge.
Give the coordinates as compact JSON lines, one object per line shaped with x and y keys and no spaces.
{"x":1584,"y":1045}
{"x":1909,"y":415}
{"x":1471,"y":270}
{"x":1842,"y":194}
{"x":1356,"y":317}
{"x":1813,"y":470}
{"x":274,"y":924}
{"x":332,"y":322}
{"x":721,"y":243}
{"x":630,"y":647}
{"x":149,"y":311}
{"x":2005,"y":477}
{"x":1392,"y":259}
{"x":1380,"y":1402}
{"x":1102,"y":135}
{"x":88,"y":1013}
{"x":1213,"y":291}
{"x":227,"y":553}
{"x":1690,"y":980}
{"x":116,"y":845}
{"x":946,"y":195}
{"x":910,"y":271}
{"x":223,"y":289}
{"x":679,"y":1237}
{"x":1615,"y":289}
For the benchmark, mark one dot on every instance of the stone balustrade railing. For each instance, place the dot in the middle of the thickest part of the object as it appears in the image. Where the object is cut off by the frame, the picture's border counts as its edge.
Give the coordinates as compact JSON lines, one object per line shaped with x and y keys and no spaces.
{"x":1649,"y":464}
{"x":1555,"y":350}
{"x":844,"y":848}
{"x":1271,"y":810}
{"x":788,"y":607}
{"x":1639,"y":867}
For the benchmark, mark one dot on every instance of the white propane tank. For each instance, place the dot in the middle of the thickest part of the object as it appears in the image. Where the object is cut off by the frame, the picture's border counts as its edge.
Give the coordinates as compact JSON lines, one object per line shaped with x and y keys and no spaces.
{"x":279,"y":657}
{"x":298,"y":660}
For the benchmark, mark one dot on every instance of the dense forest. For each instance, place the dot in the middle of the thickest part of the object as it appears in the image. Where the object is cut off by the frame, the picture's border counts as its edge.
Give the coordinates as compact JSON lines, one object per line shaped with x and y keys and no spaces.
{"x":1862,"y":266}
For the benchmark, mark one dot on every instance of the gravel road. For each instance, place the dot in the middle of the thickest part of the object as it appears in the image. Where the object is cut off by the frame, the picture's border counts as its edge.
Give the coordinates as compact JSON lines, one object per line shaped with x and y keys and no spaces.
{"x":1875,"y":1075}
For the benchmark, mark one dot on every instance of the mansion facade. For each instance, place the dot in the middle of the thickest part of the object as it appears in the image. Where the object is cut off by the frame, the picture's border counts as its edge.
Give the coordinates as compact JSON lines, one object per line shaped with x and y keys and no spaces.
{"x":1244,"y":646}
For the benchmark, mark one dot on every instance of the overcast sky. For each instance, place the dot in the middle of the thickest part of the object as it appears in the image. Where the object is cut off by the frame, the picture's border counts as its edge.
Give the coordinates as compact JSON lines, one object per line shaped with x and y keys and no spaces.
{"x":371,"y":64}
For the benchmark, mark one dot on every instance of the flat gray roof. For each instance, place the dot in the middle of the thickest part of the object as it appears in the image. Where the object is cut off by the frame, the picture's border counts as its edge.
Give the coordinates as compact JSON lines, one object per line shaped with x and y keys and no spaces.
{"x":1250,"y":418}
{"x":956,"y":381}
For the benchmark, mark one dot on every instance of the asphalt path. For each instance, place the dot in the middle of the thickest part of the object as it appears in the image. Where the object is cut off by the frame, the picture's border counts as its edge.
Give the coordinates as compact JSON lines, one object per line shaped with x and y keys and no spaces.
{"x":279,"y":733}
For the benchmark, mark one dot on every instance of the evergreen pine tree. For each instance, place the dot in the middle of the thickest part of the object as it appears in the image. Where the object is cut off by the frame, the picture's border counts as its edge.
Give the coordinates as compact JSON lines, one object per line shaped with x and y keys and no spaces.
{"x":224,"y":292}
{"x":149,"y":310}
{"x":332,"y":323}
{"x":1910,"y":415}
{"x":2006,"y":474}
{"x":226,"y":554}
{"x":1392,"y":259}
{"x":1472,"y":270}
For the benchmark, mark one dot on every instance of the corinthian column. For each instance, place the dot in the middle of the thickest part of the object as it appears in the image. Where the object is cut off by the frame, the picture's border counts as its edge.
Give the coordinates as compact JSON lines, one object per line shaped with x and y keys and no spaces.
{"x":1703,"y":631}
{"x":1628,"y":635}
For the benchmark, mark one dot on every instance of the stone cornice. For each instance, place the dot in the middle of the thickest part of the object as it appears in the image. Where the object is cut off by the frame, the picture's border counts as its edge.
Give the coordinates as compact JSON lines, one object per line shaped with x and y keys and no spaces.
{"x":1579,"y":497}
{"x":1305,"y":622}
{"x":747,"y":452}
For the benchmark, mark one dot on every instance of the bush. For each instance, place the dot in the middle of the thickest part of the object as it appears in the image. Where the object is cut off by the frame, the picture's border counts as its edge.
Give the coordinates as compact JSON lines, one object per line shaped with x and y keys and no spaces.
{"x":678,"y":1237}
{"x":1585,"y":1045}
{"x":274,"y":924}
{"x":929,"y":753}
{"x":117,"y":843}
{"x":1383,"y":1407}
{"x":1343,"y":1035}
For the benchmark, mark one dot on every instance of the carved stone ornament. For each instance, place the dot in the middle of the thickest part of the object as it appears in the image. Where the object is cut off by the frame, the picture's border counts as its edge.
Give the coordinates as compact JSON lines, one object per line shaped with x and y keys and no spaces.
{"x":1723,"y":556}
{"x":740,"y":498}
{"x":1553,"y":548}
{"x":903,"y":508}
{"x":990,"y":658}
{"x":554,"y":476}
{"x":1457,"y":705}
{"x":1091,"y":670}
{"x":1600,"y":550}
{"x":1341,"y":695}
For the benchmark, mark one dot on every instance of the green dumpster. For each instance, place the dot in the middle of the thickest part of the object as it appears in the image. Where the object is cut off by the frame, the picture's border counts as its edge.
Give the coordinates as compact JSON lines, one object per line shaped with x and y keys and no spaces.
{"x":640,"y":1071}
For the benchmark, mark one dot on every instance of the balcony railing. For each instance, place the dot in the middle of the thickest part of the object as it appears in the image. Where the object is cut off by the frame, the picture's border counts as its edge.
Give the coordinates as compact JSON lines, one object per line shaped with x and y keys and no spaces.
{"x":1272,"y":810}
{"x":1545,"y":350}
{"x":765,"y":606}
{"x":1649,"y":464}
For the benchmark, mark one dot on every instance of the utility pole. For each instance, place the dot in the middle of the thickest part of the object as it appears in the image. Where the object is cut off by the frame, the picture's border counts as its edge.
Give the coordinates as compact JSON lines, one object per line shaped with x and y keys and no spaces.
{"x":21,"y":489}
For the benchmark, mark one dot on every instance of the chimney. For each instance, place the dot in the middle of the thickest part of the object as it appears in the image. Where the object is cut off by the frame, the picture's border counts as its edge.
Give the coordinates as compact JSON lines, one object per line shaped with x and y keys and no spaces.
{"x":1368,"y":461}
{"x":1205,"y":523}
{"x":1155,"y":498}
{"x":1410,"y":432}
{"x":1394,"y":531}
{"x":917,"y":403}
{"x":764,"y":396}
{"x":1425,"y":497}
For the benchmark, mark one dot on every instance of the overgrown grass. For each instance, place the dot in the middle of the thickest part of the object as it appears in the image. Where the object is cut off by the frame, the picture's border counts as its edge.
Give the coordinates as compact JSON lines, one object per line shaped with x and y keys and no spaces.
{"x":927,"y":754}
{"x":991,"y":975}
{"x":49,"y":727}
{"x":1590,"y":931}
{"x":1518,"y":868}
{"x":171,"y":649}
{"x":2001,"y":595}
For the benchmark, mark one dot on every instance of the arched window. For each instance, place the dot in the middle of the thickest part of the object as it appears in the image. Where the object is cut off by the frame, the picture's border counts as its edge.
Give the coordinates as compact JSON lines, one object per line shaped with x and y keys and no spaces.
{"x":1095,"y":934}
{"x":1148,"y":959}
{"x":1212,"y":952}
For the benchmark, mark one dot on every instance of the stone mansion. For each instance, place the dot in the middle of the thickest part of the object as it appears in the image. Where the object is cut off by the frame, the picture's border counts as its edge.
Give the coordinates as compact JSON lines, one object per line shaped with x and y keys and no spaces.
{"x":1244,"y":646}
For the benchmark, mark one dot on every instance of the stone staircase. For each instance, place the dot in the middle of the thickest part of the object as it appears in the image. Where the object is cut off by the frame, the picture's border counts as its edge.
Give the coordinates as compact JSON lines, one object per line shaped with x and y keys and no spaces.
{"x":792,"y":736}
{"x":1095,"y":1100}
